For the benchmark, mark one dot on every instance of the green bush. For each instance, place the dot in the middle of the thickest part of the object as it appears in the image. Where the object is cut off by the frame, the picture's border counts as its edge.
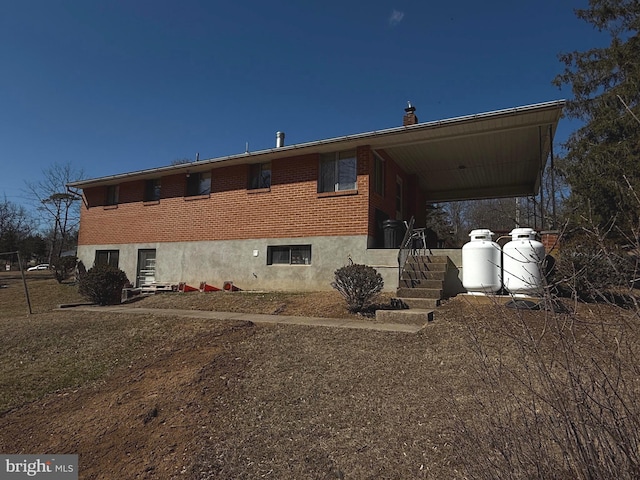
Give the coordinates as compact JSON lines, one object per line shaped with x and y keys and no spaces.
{"x":103,"y":284}
{"x":358,"y":284}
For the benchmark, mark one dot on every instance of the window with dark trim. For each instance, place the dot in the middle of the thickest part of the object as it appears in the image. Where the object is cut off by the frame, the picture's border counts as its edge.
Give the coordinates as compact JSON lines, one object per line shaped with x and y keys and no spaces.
{"x":107,"y":257}
{"x":289,"y":255}
{"x":378,"y":175}
{"x":337,"y":171}
{"x":198,"y":184}
{"x":259,"y":175}
{"x":112,"y":194}
{"x":152,"y":190}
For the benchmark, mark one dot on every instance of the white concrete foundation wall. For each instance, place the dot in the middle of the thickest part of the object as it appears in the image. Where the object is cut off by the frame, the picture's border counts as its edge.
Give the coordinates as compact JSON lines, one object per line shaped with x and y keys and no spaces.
{"x":216,"y":262}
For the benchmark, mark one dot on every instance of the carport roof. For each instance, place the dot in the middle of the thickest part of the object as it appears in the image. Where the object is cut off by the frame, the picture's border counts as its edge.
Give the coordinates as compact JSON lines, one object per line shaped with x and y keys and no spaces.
{"x":488,"y":155}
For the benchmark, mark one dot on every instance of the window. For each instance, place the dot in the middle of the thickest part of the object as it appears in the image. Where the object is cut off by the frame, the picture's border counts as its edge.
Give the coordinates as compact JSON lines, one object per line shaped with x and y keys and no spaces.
{"x":399,"y":196}
{"x":152,"y":190}
{"x":112,"y":194}
{"x":337,"y":172}
{"x":378,"y":175}
{"x":260,"y":175}
{"x":107,"y":257}
{"x":289,"y":255}
{"x":198,"y":184}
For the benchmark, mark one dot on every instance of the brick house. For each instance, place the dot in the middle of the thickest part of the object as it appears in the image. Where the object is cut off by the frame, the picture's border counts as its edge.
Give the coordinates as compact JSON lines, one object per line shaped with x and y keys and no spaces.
{"x":285,"y":218}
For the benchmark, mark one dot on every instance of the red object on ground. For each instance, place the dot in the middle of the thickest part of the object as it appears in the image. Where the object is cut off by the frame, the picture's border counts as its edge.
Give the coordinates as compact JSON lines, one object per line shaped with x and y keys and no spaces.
{"x":230,"y":287}
{"x":183,"y":287}
{"x":205,"y":287}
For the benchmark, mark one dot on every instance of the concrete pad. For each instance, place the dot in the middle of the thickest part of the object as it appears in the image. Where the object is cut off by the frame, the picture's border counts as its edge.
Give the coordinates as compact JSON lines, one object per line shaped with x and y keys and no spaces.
{"x":407,"y":317}
{"x":484,"y":299}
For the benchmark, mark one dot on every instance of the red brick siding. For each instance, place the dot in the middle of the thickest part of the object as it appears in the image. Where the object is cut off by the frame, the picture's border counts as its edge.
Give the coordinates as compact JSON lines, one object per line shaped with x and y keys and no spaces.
{"x":551,"y":241}
{"x":413,"y":198}
{"x":416,"y":201}
{"x":292,"y":208}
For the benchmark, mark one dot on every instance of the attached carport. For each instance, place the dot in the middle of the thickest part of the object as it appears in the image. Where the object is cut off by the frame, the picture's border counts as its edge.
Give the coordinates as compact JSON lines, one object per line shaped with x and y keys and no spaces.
{"x":490,"y":155}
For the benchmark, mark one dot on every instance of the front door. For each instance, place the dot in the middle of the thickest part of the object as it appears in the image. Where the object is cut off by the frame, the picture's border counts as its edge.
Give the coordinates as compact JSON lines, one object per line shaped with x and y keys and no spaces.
{"x":146,"y":272}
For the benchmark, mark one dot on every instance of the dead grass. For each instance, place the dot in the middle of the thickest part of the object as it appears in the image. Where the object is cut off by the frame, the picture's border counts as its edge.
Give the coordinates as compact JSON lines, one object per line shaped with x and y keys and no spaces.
{"x":309,"y":304}
{"x":153,"y":397}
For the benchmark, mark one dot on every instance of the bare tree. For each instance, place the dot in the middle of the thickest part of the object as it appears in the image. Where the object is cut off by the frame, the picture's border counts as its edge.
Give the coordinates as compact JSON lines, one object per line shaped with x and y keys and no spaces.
{"x":59,"y":206}
{"x":15,"y":225}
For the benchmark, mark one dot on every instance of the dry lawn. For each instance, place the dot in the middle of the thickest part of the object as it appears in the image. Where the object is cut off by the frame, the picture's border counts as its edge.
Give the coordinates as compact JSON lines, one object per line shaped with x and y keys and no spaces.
{"x":155,"y":397}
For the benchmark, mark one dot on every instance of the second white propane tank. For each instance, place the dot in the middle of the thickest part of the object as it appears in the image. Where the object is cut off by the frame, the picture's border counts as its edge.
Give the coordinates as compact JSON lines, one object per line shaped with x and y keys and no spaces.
{"x":481,"y":263}
{"x":522,"y":262}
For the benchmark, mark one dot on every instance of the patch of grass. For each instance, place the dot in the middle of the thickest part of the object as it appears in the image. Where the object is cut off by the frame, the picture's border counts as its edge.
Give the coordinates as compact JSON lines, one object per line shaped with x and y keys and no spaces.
{"x":313,"y":304}
{"x":44,"y":292}
{"x":482,"y":392}
{"x":52,"y":350}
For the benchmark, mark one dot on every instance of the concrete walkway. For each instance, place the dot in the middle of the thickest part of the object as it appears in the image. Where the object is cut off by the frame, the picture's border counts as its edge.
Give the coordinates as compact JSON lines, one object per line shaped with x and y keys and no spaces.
{"x":258,"y":318}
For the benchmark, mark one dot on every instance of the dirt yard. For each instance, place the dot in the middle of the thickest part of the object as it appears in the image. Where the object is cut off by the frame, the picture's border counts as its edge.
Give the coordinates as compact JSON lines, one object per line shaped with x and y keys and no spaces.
{"x":203,"y":399}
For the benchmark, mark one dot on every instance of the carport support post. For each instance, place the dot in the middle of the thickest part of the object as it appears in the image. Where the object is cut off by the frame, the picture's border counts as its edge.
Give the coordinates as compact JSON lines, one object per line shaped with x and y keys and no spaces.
{"x":542,"y":165}
{"x":553,"y":180}
{"x":24,"y":282}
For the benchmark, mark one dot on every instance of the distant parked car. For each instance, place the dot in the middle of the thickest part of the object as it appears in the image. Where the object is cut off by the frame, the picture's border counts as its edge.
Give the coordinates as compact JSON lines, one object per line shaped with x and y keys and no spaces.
{"x":42,"y":266}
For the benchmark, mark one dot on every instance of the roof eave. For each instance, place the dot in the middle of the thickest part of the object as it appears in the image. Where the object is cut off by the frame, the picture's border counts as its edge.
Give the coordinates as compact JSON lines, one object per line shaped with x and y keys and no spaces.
{"x":376,"y":139}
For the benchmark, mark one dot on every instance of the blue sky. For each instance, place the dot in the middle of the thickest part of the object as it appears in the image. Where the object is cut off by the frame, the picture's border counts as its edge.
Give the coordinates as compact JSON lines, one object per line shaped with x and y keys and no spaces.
{"x":126,"y":85}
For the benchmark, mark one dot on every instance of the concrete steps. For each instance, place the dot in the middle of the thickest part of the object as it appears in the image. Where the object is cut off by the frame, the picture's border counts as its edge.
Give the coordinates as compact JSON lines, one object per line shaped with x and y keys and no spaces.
{"x":419,"y":292}
{"x":424,"y":303}
{"x":420,"y":282}
{"x":417,"y":316}
{"x":420,"y":289}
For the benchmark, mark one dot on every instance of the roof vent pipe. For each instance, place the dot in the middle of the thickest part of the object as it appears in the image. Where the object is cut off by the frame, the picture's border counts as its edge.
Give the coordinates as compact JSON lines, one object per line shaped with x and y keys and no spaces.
{"x":279,"y":139}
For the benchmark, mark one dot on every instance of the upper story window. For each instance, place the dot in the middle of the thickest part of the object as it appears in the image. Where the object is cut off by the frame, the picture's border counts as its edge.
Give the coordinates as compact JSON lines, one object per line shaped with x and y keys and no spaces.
{"x":260,"y":175}
{"x":152,"y":190}
{"x":337,"y":171}
{"x":112,"y":194}
{"x":198,"y":184}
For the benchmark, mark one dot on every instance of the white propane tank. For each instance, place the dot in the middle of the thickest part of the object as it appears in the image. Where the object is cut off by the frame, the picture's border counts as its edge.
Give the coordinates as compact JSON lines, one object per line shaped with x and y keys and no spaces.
{"x":522,"y":262}
{"x":481,"y":263}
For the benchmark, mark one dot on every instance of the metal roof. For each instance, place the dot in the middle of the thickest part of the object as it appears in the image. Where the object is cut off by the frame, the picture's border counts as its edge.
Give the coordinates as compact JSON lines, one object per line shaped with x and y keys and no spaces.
{"x":488,"y":155}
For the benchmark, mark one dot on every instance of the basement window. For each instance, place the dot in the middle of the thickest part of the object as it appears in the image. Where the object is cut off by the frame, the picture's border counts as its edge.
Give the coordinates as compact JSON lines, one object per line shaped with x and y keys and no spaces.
{"x":338,"y":171}
{"x":198,"y":184}
{"x":289,"y":255}
{"x":107,"y":257}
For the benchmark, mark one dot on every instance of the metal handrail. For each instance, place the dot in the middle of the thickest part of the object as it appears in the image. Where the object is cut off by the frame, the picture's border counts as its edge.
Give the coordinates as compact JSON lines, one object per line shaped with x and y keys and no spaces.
{"x":403,"y":253}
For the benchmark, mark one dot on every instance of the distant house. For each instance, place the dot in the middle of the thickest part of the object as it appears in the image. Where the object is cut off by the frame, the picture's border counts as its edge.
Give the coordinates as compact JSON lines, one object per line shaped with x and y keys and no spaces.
{"x":286,"y":218}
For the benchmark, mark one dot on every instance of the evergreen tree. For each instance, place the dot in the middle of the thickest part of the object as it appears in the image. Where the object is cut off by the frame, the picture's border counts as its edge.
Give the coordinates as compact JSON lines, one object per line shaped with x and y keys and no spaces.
{"x":602,"y":164}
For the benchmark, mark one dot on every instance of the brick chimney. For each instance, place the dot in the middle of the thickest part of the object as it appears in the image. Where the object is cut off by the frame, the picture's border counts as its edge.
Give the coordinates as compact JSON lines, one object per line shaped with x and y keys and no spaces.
{"x":409,"y":116}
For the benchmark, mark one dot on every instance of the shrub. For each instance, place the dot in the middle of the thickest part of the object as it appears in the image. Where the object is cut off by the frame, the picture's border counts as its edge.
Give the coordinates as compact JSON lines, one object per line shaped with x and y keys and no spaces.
{"x":592,"y":269}
{"x":63,"y":267}
{"x":358,"y":284}
{"x":103,"y":284}
{"x":557,"y":398}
